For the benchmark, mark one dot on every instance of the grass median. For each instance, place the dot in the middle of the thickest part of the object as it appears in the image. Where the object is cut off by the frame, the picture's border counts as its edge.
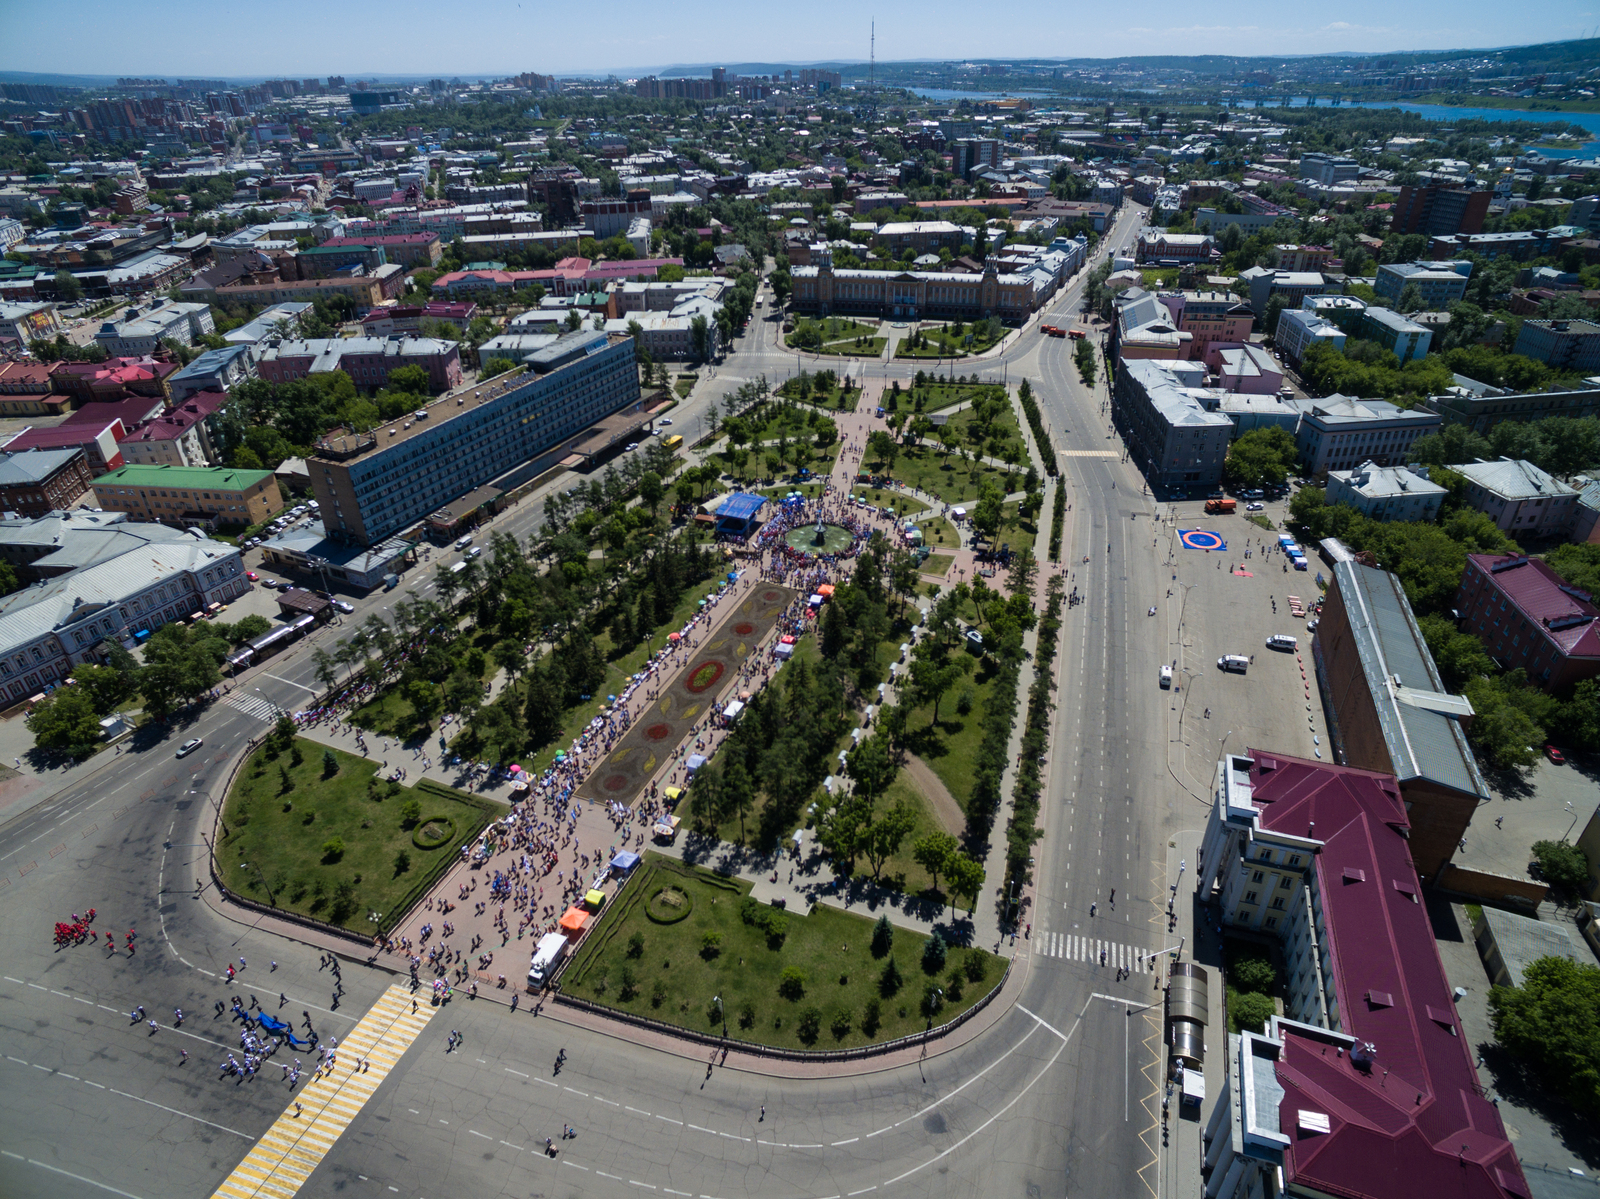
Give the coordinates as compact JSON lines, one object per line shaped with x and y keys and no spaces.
{"x":688,"y":947}
{"x":323,"y":836}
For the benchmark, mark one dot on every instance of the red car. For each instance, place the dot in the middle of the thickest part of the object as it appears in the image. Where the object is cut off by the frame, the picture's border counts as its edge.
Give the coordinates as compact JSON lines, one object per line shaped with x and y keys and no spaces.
{"x":252,"y":576}
{"x":1555,"y":755}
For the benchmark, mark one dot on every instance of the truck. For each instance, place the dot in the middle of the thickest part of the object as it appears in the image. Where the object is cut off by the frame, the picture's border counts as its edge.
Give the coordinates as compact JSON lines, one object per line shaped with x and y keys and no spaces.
{"x":547,"y":955}
{"x":1076,"y":334}
{"x":1224,"y":506}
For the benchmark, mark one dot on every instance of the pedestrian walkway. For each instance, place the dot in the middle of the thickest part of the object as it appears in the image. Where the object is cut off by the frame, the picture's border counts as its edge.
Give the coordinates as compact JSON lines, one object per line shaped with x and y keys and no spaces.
{"x":295,"y":1145}
{"x":1076,"y":948}
{"x":253,"y":705}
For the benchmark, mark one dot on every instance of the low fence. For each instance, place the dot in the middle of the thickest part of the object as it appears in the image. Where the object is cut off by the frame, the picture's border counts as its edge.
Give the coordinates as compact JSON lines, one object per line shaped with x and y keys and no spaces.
{"x":772,"y":1051}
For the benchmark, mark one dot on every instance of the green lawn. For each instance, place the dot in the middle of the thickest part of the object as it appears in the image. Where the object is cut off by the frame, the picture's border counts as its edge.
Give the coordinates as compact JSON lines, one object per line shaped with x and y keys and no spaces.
{"x":831,"y":329}
{"x":935,"y":396}
{"x":675,"y":975}
{"x":272,"y":847}
{"x":951,"y":746}
{"x":901,"y":871}
{"x":930,"y":469}
{"x":903,"y":505}
{"x":684,"y":384}
{"x":941,"y":343}
{"x":869,"y":348}
{"x":938,"y":564}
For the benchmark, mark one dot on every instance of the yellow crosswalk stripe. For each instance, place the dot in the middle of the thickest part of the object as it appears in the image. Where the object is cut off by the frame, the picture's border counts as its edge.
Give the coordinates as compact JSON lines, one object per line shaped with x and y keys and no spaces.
{"x":287,"y":1153}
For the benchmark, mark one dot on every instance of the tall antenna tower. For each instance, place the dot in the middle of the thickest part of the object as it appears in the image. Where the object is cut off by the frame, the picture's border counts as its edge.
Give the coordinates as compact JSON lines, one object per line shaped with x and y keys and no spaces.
{"x":872,"y":73}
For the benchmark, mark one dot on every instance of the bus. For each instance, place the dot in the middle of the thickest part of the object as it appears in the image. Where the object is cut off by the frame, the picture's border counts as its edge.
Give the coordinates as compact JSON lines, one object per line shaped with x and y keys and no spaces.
{"x":672,"y":442}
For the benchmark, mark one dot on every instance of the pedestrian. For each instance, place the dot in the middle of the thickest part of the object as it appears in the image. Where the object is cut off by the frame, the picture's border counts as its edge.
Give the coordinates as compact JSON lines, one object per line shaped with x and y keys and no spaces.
{"x":763,"y":1111}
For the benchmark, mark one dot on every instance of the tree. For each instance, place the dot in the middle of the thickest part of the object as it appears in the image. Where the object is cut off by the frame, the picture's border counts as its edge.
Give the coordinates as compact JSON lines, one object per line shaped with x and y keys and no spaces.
{"x":934,"y":952}
{"x":886,"y":834}
{"x":1250,"y":1010}
{"x":1276,"y":303}
{"x":651,"y":491}
{"x":106,"y":686}
{"x":738,"y":796}
{"x":882,"y":937}
{"x":871,"y":767}
{"x":699,"y":337}
{"x":66,"y":722}
{"x":933,"y":852}
{"x":496,"y":366}
{"x":424,"y":699}
{"x":412,"y":379}
{"x":68,"y":289}
{"x":965,"y":877}
{"x":1553,"y":1022}
{"x":1084,"y":357}
{"x":1259,"y":457}
{"x":1562,"y":864}
{"x":890,"y":979}
{"x":1410,"y":300}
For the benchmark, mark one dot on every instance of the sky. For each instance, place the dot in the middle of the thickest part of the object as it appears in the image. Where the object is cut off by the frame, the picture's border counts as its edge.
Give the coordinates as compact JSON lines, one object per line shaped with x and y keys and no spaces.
{"x":490,"y":38}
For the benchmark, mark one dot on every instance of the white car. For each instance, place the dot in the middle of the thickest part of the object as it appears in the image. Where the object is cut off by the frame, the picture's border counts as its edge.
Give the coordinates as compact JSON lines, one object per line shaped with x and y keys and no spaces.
{"x":344,"y":606}
{"x":1166,"y":677}
{"x":631,"y":446}
{"x":1256,"y":507}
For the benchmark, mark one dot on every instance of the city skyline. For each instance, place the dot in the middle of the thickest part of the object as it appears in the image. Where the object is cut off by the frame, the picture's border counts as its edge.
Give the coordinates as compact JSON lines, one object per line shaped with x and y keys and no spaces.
{"x":637,"y":40}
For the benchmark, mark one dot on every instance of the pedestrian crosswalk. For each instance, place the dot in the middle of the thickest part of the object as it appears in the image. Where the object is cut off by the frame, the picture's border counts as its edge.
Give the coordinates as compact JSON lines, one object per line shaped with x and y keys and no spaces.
{"x":1073,"y":947}
{"x":319,"y":1113}
{"x":254,"y":705}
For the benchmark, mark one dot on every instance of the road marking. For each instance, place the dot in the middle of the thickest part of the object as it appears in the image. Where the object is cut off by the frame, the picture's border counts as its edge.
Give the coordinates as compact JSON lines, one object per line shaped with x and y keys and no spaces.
{"x":484,"y":1135}
{"x":291,"y":683}
{"x":175,"y":1111}
{"x":298,"y":1141}
{"x":67,"y":1174}
{"x":603,"y":1174}
{"x":636,"y":1111}
{"x":851,"y":1141}
{"x":633,"y":1182}
{"x":518,"y":1073}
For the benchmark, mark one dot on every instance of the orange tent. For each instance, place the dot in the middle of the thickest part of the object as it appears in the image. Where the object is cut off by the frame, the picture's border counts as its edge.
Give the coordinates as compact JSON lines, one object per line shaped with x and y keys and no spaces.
{"x":575,"y":921}
{"x":825,"y":590}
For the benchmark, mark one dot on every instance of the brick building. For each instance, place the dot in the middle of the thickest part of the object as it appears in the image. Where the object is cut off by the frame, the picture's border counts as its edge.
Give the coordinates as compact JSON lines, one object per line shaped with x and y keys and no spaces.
{"x":1526,"y":615}
{"x":35,"y":482}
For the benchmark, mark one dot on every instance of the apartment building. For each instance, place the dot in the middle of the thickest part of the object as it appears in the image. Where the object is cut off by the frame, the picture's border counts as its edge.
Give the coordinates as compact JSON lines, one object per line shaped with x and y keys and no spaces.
{"x":1522,"y":500}
{"x":1406,"y":338}
{"x":29,"y":321}
{"x":1562,"y":345}
{"x":1385,"y":492}
{"x":1484,"y":410}
{"x":364,"y":291}
{"x":190,"y":496}
{"x":372,"y":484}
{"x":1366,"y":1083}
{"x":181,"y":436}
{"x":1158,"y":247}
{"x":34,"y":482}
{"x":1301,"y":328}
{"x":1293,"y":286}
{"x":923,"y":237}
{"x":1526,"y":615}
{"x":47,"y":629}
{"x":97,"y":436}
{"x":367,"y":360}
{"x":1339,"y":432}
{"x":1300,"y":258}
{"x":607,"y":218}
{"x":409,"y":250}
{"x":1439,"y":211}
{"x":142,"y":330}
{"x":1328,"y":169}
{"x":215,"y":370}
{"x":1174,"y":431}
{"x":1208,"y":317}
{"x":1438,"y":283}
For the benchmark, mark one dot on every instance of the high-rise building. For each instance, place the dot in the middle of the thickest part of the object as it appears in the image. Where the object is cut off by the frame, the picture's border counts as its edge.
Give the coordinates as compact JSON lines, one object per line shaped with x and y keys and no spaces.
{"x":1440,"y":211}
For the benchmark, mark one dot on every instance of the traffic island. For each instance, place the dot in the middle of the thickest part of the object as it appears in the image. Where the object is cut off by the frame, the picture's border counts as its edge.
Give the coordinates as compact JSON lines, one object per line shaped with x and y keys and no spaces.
{"x":316,"y":835}
{"x":690,"y":951}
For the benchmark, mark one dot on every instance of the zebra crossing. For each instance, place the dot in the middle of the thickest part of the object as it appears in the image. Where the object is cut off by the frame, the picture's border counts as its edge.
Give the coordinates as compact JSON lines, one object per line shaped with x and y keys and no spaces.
{"x":1088,"y":949}
{"x":253,"y":705}
{"x":278,"y":1166}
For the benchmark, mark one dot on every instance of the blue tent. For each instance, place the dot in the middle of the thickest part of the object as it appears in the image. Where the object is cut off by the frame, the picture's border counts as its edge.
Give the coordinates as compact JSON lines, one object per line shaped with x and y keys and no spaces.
{"x":625,"y":861}
{"x":738,"y":511}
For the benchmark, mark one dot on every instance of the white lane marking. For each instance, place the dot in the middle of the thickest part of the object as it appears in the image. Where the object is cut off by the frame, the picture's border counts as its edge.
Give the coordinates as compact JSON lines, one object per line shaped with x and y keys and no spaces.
{"x":670,"y":1120}
{"x":476,"y":1133}
{"x":851,"y":1141}
{"x":292,"y":683}
{"x":174,"y":1111}
{"x":584,"y":1094}
{"x":633,"y":1182}
{"x":67,"y":1174}
{"x":518,"y":1073}
{"x":603,"y":1174}
{"x":636,"y":1111}
{"x":612,"y":1102}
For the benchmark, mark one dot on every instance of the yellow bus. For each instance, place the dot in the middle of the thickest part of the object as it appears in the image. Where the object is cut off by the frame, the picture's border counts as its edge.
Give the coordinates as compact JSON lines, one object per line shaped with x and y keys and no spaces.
{"x":672,"y":442}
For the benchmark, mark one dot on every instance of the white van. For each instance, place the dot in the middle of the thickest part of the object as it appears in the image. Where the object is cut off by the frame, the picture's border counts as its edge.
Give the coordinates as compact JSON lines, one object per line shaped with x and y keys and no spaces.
{"x":1282,"y":641}
{"x":463,"y":542}
{"x":1166,"y":678}
{"x":1237,"y":663}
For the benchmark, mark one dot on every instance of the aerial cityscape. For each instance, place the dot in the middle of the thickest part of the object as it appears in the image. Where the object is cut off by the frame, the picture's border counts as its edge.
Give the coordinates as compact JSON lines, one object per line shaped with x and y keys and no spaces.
{"x":790,"y":616}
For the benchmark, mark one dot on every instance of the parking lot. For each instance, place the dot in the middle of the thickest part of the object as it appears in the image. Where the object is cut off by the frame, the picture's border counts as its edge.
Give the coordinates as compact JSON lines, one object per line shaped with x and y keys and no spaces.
{"x":1221,"y":603}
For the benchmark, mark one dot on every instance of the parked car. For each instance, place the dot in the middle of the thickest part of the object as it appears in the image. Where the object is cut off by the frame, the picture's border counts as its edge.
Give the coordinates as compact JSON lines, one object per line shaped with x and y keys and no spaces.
{"x":1555,"y":755}
{"x":1166,"y":677}
{"x":631,"y":446}
{"x":252,"y":576}
{"x":189,"y":746}
{"x":1255,"y":507}
{"x":344,"y":606}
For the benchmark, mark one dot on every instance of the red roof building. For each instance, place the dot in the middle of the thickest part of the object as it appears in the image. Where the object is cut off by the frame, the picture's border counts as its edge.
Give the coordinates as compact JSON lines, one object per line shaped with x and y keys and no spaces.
{"x":98,"y":441}
{"x":1527,"y":615}
{"x":115,"y":378}
{"x":133,"y":412}
{"x":1366,"y":1086}
{"x":25,"y":389}
{"x":180,"y":436}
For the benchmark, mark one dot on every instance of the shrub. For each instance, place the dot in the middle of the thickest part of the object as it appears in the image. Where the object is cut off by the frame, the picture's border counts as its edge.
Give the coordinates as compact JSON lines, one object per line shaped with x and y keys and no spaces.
{"x":872,"y":1017}
{"x":843,"y":1020}
{"x":882,"y":937}
{"x":295,"y":756}
{"x":932,"y":1000}
{"x":933,"y":954}
{"x":747,"y":1014}
{"x":810,"y":1025}
{"x":976,"y":966}
{"x":714,"y":1012}
{"x":792,"y":982}
{"x":332,"y":850}
{"x":410,"y":813}
{"x":773,"y":923}
{"x":1249,"y":1010}
{"x":658,"y":993}
{"x":636,"y":945}
{"x":630,"y":984}
{"x":1255,"y":974}
{"x":330,"y":764}
{"x":952,"y":987}
{"x":402,"y":863}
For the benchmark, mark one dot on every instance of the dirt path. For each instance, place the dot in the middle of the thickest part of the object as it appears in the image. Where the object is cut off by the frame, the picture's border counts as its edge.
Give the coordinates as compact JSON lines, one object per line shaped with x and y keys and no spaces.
{"x":945,"y":808}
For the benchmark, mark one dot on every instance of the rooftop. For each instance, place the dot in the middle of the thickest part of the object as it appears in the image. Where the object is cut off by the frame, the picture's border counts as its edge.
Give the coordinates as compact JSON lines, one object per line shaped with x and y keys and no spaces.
{"x":1545,"y":598}
{"x":1380,"y":482}
{"x":215,"y":478}
{"x":33,"y":466}
{"x":1406,"y":1104}
{"x":1423,"y":742}
{"x":1514,"y":479}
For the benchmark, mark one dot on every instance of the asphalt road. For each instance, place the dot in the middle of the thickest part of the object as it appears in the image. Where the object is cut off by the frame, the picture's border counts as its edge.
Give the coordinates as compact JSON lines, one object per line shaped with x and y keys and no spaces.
{"x":1058,"y":1098}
